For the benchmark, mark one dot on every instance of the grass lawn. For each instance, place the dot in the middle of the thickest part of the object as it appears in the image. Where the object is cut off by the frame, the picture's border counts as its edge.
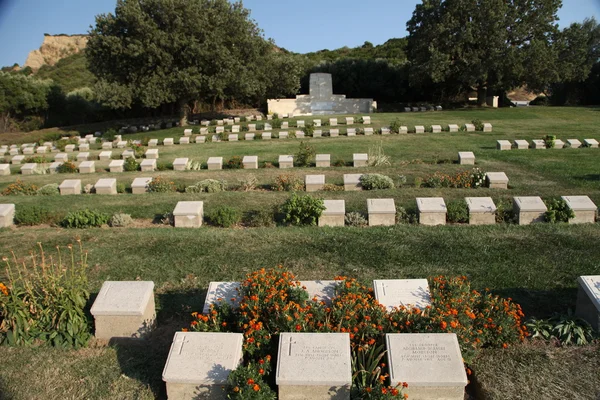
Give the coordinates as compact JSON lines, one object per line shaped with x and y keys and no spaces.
{"x":535,"y":265}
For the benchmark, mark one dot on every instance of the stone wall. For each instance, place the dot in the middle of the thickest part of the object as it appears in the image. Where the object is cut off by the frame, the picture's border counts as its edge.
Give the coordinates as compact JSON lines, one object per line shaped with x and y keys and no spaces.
{"x":338,"y":104}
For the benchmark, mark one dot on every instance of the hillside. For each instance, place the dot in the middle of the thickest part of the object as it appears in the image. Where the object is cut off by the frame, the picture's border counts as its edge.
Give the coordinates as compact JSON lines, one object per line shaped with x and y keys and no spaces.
{"x":392,"y":49}
{"x":55,"y":48}
{"x":69,"y":73}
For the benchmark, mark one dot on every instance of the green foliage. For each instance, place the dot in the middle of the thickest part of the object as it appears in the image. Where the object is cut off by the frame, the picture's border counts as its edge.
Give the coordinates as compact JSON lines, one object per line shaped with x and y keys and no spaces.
{"x":457,"y":211}
{"x":225,"y":216}
{"x":69,"y":73}
{"x":504,"y":211}
{"x":566,"y":329}
{"x":549,"y":141}
{"x":235,"y":162}
{"x":302,"y":210}
{"x":287,"y":183}
{"x":159,"y":184}
{"x":85,"y":219}
{"x":207,"y":186}
{"x":33,"y":215}
{"x":50,"y":189}
{"x":21,"y":96}
{"x":376,"y":182}
{"x":478,"y":124}
{"x":355,"y":218}
{"x":558,"y":211}
{"x":309,"y":129}
{"x":45,"y":301}
{"x":20,"y":188}
{"x":305,"y":154}
{"x":377,"y":157}
{"x":258,"y":219}
{"x":247,"y":382}
{"x":121,"y":187}
{"x":131,"y":165}
{"x":67,"y":168}
{"x":120,"y":220}
{"x":404,"y":216}
{"x":395,"y":126}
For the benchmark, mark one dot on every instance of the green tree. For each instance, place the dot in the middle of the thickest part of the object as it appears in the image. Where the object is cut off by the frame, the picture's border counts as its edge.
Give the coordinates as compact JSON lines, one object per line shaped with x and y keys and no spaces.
{"x":158,"y":52}
{"x":479,"y":44}
{"x":20,"y":96}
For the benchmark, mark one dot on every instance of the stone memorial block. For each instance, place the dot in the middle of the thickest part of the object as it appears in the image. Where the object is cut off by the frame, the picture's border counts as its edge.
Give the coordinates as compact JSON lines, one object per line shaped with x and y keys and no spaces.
{"x":180,"y":164}
{"x":83,"y":156}
{"x":300,"y":124}
{"x":349,"y":120}
{"x":593,"y":143}
{"x":204,"y":131}
{"x":323,"y":160}
{"x":366,"y":120}
{"x":487,"y":127}
{"x":184,"y":140}
{"x":222,"y":292}
{"x":17,"y":159}
{"x":215,"y":163}
{"x":385,"y":131}
{"x":140,"y":185}
{"x":103,"y":156}
{"x":423,"y":109}
{"x":573,"y":143}
{"x":285,"y":125}
{"x":43,"y":150}
{"x":503,"y":145}
{"x":403,"y":130}
{"x":438,"y":108}
{"x":431,"y":364}
{"x":187,"y":132}
{"x":235,"y":129}
{"x":432,"y":210}
{"x":482,"y":210}
{"x":259,"y":117}
{"x":382,"y":212}
{"x":334,"y":132}
{"x":249,"y":136}
{"x":334,"y":213}
{"x":13,"y":152}
{"x":4,"y":169}
{"x":529,"y":209}
{"x":61,"y":157}
{"x":199,"y":364}
{"x":229,"y":121}
{"x":407,"y":109}
{"x":233,"y":137}
{"x":452,"y":128}
{"x":266,"y":136}
{"x":87,"y":167}
{"x":436,"y":128}
{"x":283,"y":135}
{"x":189,"y":214}
{"x":333,"y":121}
{"x":121,"y":144}
{"x":470,"y":127}
{"x":148,"y":165}
{"x":317,"y":133}
{"x":237,"y":120}
{"x":250,"y":162}
{"x":419,"y":129}
{"x":314,"y":366}
{"x":152,"y":154}
{"x":300,"y":135}
{"x":116,"y":165}
{"x":351,"y":132}
{"x":559,"y":144}
{"x":286,"y":161}
{"x":205,"y":122}
{"x":127,"y":154}
{"x":317,"y":122}
{"x":583,"y":207}
{"x":321,"y":291}
{"x":3,"y":150}
{"x":368,"y":131}
{"x":360,"y":160}
{"x":588,"y":300}
{"x":53,"y":168}
{"x":84,"y":147}
{"x":497,"y":180}
{"x":352,"y":182}
{"x":466,"y":158}
{"x":314,"y":183}
{"x":394,"y":293}
{"x":251,"y":127}
{"x":70,"y":186}
{"x":521,"y":144}
{"x":415,"y":109}
{"x":200,"y":139}
{"x":168,"y":142}
{"x":220,"y":122}
{"x":106,"y":186}
{"x":109,"y":145}
{"x":538,"y":144}
{"x":29,"y":168}
{"x":7,"y":215}
{"x":28,"y":151}
{"x":124,"y":309}
{"x":268,"y":127}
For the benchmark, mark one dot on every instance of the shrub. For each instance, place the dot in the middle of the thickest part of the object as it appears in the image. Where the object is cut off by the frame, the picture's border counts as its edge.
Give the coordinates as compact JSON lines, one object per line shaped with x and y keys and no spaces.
{"x":376,"y":181}
{"x":33,"y":215}
{"x":121,"y":187}
{"x":478,"y":124}
{"x":50,"y":189}
{"x":305,"y":154}
{"x":504,"y":212}
{"x":558,"y":211}
{"x":208,"y":186}
{"x":401,"y":181}
{"x":85,"y":219}
{"x":120,"y":220}
{"x":225,"y":216}
{"x":67,"y":168}
{"x":549,"y":141}
{"x":309,"y":129}
{"x":131,"y":165}
{"x":36,"y":160}
{"x":20,"y":188}
{"x":330,"y":187}
{"x":566,"y":329}
{"x":110,"y":135}
{"x":395,"y":126}
{"x":354,"y":218}
{"x":377,"y":157}
{"x":258,"y":219}
{"x":249,"y":183}
{"x":159,"y":184}
{"x":302,"y":210}
{"x":457,"y":211}
{"x":44,"y":301}
{"x":287,"y":183}
{"x":235,"y":162}
{"x":465,"y":179}
{"x":164,"y":166}
{"x":404,"y":216}
{"x":339,"y":163}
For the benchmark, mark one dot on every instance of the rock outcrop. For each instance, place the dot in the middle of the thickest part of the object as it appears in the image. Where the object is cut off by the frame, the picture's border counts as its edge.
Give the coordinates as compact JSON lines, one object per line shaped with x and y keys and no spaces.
{"x":54,"y":48}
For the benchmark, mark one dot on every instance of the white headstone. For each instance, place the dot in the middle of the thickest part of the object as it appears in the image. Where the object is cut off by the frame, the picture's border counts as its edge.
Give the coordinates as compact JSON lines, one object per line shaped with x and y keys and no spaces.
{"x":394,"y":293}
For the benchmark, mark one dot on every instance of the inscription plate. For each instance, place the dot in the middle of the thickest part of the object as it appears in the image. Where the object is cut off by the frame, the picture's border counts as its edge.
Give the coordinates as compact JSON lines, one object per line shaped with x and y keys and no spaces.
{"x":402,"y":292}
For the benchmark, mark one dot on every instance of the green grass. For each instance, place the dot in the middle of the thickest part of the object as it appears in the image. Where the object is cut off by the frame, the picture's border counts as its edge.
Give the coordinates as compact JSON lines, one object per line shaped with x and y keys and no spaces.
{"x":535,"y":265}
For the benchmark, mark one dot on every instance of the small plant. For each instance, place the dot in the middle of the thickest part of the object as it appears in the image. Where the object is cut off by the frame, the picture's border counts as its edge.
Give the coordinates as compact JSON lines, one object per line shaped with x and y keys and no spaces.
{"x":276,"y":123}
{"x":309,"y":129}
{"x":377,"y":157}
{"x":549,"y":141}
{"x":565,"y":329}
{"x":225,"y":216}
{"x":50,"y":189}
{"x":85,"y":219}
{"x":121,"y":187}
{"x":248,"y":184}
{"x":33,"y":215}
{"x":302,"y":210}
{"x":339,"y":163}
{"x":354,"y":218}
{"x":287,"y":183}
{"x":207,"y":186}
{"x":120,"y":220}
{"x":504,"y":212}
{"x":558,"y":211}
{"x":404,"y":216}
{"x":67,"y":168}
{"x":247,"y":382}
{"x":401,"y":181}
{"x":418,"y":182}
{"x":258,"y":219}
{"x":305,"y":154}
{"x":478,"y":124}
{"x":235,"y":162}
{"x":376,"y":181}
{"x":131,"y":165}
{"x":20,"y":188}
{"x":330,"y":187}
{"x":457,"y":211}
{"x":395,"y":126}
{"x":159,"y":184}
{"x":163,"y":166}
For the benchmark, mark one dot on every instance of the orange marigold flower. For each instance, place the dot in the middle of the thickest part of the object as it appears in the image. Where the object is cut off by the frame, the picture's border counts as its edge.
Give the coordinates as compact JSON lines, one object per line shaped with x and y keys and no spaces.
{"x":453,"y":324}
{"x":443,"y":324}
{"x":236,"y":389}
{"x":261,"y":371}
{"x":405,"y":396}
{"x":250,"y":381}
{"x":256,"y":388}
{"x":504,"y":345}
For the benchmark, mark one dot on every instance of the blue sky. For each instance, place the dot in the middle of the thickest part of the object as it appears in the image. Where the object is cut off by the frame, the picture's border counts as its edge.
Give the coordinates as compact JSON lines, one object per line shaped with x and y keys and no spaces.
{"x":298,"y":26}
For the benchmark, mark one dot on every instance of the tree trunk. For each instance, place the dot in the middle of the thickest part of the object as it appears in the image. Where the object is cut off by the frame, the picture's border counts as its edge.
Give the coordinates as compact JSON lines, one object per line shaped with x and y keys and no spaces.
{"x":481,"y":95}
{"x":183,"y":113}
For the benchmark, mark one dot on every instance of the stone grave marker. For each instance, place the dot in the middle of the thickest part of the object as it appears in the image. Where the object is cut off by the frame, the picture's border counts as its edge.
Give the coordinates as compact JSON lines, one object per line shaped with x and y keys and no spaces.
{"x":300,"y":124}
{"x":61,"y":157}
{"x":583,"y":207}
{"x":70,"y":186}
{"x":251,"y":127}
{"x":317,"y":122}
{"x":368,"y":131}
{"x":283,"y":135}
{"x":140,"y":185}
{"x":323,"y":160}
{"x":168,"y":142}
{"x":503,"y":145}
{"x":148,"y":165}
{"x":7,"y":215}
{"x":482,"y":210}
{"x":351,"y":132}
{"x":432,"y":210}
{"x":382,"y":212}
{"x":588,"y":300}
{"x":334,"y":132}
{"x":573,"y":143}
{"x":487,"y":127}
{"x":419,"y":129}
{"x":84,"y":147}
{"x":29,"y":168}
{"x":592,"y":143}
{"x":4,"y":169}
{"x":470,"y":127}
{"x":235,"y":129}
{"x":233,"y":137}
{"x":180,"y":164}
{"x":106,"y":186}
{"x":215,"y":163}
{"x":187,"y":132}
{"x":349,"y":120}
{"x":314,"y":183}
{"x":189,"y":214}
{"x":127,"y":154}
{"x":393,"y":293}
{"x":116,"y":165}
{"x":529,"y":209}
{"x":44,"y":150}
{"x":200,"y":139}
{"x":184,"y":140}
{"x":250,"y":162}
{"x":53,"y":168}
{"x":436,"y":128}
{"x":366,"y":120}
{"x":334,"y":213}
{"x":28,"y":151}
{"x":249,"y":136}
{"x":226,"y":292}
{"x":17,"y":160}
{"x":559,"y":144}
{"x":109,"y":145}
{"x":121,"y":144}
{"x":452,"y":128}
{"x":352,"y":182}
{"x":538,"y":144}
{"x":103,"y":156}
{"x":286,"y":161}
{"x":466,"y":158}
{"x":266,"y":136}
{"x":152,"y":154}
{"x":268,"y":127}
{"x":497,"y":180}
{"x":407,"y":109}
{"x":320,"y":290}
{"x":317,"y":133}
{"x":83,"y":156}
{"x":521,"y":144}
{"x":219,"y":129}
{"x":333,"y":121}
{"x":285,"y":125}
{"x":13,"y":152}
{"x":385,"y":131}
{"x":360,"y":160}
{"x":300,"y":134}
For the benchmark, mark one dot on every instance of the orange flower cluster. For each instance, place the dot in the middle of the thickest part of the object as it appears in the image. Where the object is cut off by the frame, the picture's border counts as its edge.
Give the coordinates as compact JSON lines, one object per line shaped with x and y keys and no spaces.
{"x":460,"y":180}
{"x":3,"y":289}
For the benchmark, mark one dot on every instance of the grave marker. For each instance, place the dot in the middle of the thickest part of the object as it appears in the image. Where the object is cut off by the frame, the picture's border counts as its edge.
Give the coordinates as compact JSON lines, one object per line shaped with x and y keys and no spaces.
{"x":334,"y":213}
{"x":432,"y":210}
{"x":588,"y":300}
{"x":583,"y":207}
{"x":393,"y":293}
{"x":106,"y":186}
{"x":482,"y":210}
{"x":7,"y":215}
{"x":529,"y":209}
{"x":189,"y":214}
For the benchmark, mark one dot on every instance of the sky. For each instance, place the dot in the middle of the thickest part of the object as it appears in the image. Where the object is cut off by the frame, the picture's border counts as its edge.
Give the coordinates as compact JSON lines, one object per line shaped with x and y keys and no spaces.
{"x":301,"y":27}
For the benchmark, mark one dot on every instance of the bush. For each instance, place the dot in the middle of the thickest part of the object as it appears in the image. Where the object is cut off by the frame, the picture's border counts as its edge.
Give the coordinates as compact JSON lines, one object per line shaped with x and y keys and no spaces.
{"x":235,"y":162}
{"x":110,"y":135}
{"x":161,"y":185}
{"x":287,"y":183}
{"x":377,"y":157}
{"x":404,"y":216}
{"x":33,"y":215}
{"x":225,"y":216}
{"x":208,"y":186}
{"x":339,"y":163}
{"x":355,"y":219}
{"x":395,"y":126}
{"x":558,"y":211}
{"x":457,"y":211}
{"x":566,"y":329}
{"x":376,"y":181}
{"x":249,"y":183}
{"x":120,"y":220}
{"x":85,"y":219}
{"x":302,"y":210}
{"x":258,"y":219}
{"x":131,"y":165}
{"x":36,"y":160}
{"x":50,"y":189}
{"x":67,"y":168}
{"x":478,"y":124}
{"x":305,"y":154}
{"x":164,"y":166}
{"x":504,"y":212}
{"x":309,"y":129}
{"x":44,"y":301}
{"x":121,"y":187}
{"x":549,"y":141}
{"x":20,"y":188}
{"x":466,"y":179}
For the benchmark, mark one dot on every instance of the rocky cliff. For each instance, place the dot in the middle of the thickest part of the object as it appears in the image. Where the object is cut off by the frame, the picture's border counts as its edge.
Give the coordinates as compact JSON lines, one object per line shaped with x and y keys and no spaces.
{"x":54,"y":48}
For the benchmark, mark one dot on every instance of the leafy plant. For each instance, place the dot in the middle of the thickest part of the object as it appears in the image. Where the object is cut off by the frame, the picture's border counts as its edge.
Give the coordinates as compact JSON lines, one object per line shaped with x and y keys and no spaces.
{"x":33,"y":215}
{"x":404,"y":216}
{"x":225,"y":216}
{"x":235,"y":162}
{"x":302,"y":210}
{"x":395,"y":126}
{"x":50,"y":189}
{"x":376,"y":181}
{"x":248,"y":183}
{"x":566,"y":329}
{"x":305,"y":154}
{"x":20,"y":188}
{"x":309,"y":129}
{"x":257,"y":219}
{"x":377,"y":157}
{"x":85,"y":219}
{"x":457,"y":211}
{"x":478,"y":124}
{"x":558,"y":211}
{"x":159,"y":184}
{"x":355,"y":218}
{"x":208,"y":186}
{"x":549,"y":141}
{"x":121,"y":187}
{"x":120,"y":220}
{"x":247,"y":382}
{"x":287,"y":183}
{"x":67,"y":168}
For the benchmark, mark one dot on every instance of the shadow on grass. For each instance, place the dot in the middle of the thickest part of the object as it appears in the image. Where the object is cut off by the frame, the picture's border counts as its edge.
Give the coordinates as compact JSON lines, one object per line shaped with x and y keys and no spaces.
{"x":541,"y":303}
{"x":4,"y":392}
{"x":589,"y":177}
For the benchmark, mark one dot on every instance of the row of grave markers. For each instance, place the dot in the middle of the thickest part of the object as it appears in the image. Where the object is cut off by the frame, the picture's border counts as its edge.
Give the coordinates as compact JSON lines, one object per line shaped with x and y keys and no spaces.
{"x":538,"y":144}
